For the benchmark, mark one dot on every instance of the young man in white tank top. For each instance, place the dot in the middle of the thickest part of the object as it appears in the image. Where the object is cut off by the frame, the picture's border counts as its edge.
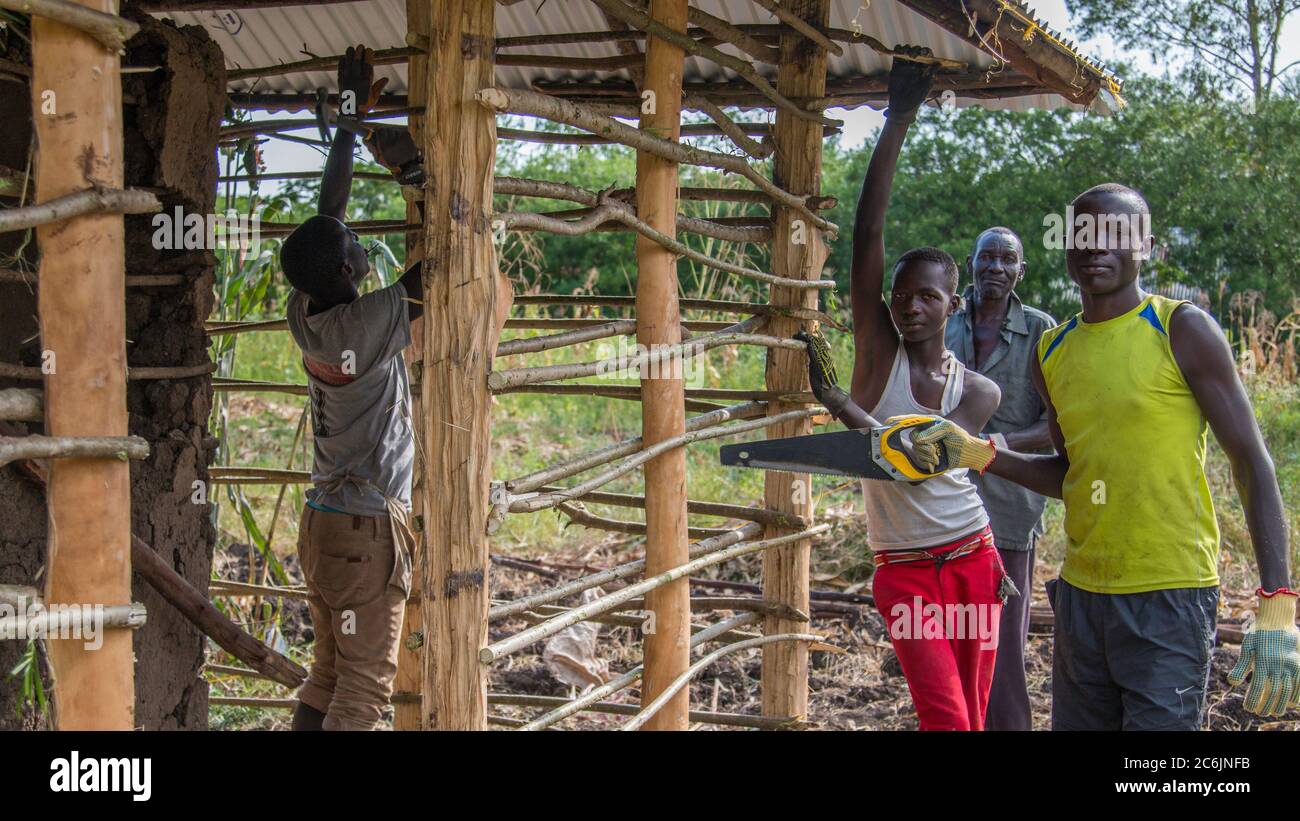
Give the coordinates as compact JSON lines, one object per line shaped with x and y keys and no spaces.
{"x":939,"y":582}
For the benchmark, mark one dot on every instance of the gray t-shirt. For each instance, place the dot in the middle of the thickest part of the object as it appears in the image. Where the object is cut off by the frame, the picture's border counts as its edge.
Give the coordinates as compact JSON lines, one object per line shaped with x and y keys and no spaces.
{"x":360,"y":400}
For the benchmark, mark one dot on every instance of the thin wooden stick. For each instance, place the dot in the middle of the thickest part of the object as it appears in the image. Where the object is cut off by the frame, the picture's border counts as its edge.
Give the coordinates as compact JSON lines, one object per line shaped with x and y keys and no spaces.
{"x":725,"y":511}
{"x":640,"y":20}
{"x":760,"y":232}
{"x":521,"y":101}
{"x":579,"y":516}
{"x":383,"y":56}
{"x":681,"y":681}
{"x":534,"y":502}
{"x":716,"y":305}
{"x":545,"y":612}
{"x":534,"y":344}
{"x":667,"y":357}
{"x":230,"y":384}
{"x":622,"y":571}
{"x":633,"y":393}
{"x":219,"y":328}
{"x":231,"y":474}
{"x":109,"y":29}
{"x":75,"y":620}
{"x":194,"y":606}
{"x":620,"y":212}
{"x":226,"y":587}
{"x":136,"y":281}
{"x":605,"y":455}
{"x":561,"y":138}
{"x":524,"y":638}
{"x":629,"y":678}
{"x":728,"y":33}
{"x":268,"y":127}
{"x":94,"y":200}
{"x":614,"y":708}
{"x":180,"y":372}
{"x":738,"y":135}
{"x":13,"y":448}
{"x":34,"y":374}
{"x":702,"y":604}
{"x":21,"y":405}
{"x":802,"y":26}
{"x":241,"y":672}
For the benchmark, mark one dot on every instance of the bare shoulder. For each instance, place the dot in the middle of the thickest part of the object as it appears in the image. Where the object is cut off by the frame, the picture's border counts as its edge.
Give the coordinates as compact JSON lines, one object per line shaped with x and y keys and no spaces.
{"x":1191,"y":321}
{"x":981,"y":389}
{"x":1199,"y":345}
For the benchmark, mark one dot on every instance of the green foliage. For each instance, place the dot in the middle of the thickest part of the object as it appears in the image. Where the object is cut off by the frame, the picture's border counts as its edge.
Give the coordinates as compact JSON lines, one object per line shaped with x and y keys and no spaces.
{"x":31,"y":690}
{"x":1220,"y":181}
{"x":1234,"y":42}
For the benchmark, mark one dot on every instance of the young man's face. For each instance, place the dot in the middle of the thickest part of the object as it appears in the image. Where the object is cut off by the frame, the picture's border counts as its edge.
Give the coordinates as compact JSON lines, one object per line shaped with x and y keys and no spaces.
{"x":921,"y":299}
{"x":1111,"y":261}
{"x":356,"y":258}
{"x":996,"y":265}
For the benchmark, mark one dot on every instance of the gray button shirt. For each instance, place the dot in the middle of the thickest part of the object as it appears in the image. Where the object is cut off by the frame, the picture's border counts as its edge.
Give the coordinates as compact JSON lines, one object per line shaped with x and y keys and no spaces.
{"x":1015,"y":513}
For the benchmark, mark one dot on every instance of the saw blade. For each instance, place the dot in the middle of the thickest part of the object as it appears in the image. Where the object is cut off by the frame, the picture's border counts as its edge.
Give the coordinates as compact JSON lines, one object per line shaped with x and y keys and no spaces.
{"x":842,"y":453}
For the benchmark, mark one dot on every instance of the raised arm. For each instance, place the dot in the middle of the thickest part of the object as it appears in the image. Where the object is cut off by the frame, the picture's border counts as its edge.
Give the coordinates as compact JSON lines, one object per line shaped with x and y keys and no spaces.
{"x":357,"y":93}
{"x":874,"y":335}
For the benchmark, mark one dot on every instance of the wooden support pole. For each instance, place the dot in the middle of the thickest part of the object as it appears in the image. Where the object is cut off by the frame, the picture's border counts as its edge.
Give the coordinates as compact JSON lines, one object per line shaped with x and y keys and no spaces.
{"x":196,"y":607}
{"x":83,"y":322}
{"x":663,"y":416}
{"x":459,"y":143}
{"x":797,"y":252}
{"x":410,"y":653}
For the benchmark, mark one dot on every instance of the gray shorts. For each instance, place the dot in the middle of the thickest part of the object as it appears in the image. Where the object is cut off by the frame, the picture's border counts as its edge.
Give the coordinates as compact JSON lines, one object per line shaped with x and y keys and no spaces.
{"x":1134,"y":661}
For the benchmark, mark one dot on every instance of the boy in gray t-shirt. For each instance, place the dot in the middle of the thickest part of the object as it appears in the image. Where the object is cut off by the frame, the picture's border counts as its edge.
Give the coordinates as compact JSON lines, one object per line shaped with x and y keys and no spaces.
{"x":354,"y":541}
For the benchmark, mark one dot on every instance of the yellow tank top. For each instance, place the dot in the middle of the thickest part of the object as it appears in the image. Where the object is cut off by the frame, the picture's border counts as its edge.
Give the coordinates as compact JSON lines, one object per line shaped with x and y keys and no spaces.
{"x":1138,"y":513}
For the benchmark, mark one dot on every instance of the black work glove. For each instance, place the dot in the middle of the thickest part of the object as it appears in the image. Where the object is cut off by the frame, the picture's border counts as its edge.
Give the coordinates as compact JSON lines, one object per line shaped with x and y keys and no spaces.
{"x":909,"y":83}
{"x":821,"y":373}
{"x":393,"y":148}
{"x":357,"y":75}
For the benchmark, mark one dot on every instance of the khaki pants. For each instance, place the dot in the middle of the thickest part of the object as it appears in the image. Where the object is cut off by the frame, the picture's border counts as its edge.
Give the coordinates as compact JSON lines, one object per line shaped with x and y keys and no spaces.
{"x":358,"y":577}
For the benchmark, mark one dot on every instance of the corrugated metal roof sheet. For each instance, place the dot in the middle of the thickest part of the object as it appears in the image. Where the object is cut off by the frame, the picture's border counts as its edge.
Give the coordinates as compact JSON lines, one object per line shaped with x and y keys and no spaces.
{"x":261,"y":37}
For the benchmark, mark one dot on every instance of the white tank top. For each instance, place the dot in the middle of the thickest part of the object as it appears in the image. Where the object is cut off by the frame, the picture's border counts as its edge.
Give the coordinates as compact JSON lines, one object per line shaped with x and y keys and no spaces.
{"x":903,"y":516}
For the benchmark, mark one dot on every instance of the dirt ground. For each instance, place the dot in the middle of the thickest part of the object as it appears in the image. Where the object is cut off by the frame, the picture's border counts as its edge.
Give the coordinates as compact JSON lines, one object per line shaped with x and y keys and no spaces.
{"x":860,"y":689}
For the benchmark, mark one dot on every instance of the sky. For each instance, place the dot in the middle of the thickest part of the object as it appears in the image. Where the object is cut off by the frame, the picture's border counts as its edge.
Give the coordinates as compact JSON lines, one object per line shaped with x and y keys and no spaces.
{"x":859,"y":123}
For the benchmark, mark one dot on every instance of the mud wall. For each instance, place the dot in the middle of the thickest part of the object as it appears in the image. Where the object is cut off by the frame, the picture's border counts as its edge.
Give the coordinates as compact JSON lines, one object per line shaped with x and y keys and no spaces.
{"x":170,"y":120}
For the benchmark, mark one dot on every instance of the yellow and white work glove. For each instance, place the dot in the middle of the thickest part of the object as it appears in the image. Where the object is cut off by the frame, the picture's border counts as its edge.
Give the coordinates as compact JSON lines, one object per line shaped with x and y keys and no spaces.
{"x":1272,"y":651}
{"x":963,"y":449}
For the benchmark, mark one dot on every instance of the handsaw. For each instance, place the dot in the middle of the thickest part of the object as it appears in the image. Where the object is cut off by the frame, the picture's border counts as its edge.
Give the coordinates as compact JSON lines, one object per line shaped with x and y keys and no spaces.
{"x":872,"y":453}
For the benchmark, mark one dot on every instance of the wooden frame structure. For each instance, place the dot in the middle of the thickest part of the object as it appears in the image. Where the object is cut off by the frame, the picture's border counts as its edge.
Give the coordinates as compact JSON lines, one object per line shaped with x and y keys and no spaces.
{"x":451,"y":53}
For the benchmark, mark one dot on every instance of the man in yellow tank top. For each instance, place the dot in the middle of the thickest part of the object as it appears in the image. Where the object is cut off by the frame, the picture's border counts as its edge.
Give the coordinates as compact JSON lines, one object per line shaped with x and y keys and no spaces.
{"x":1132,"y":385}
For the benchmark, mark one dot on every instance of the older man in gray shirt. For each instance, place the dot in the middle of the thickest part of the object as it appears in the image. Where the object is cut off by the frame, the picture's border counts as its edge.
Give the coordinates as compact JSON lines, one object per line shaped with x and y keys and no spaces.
{"x":996,"y":335}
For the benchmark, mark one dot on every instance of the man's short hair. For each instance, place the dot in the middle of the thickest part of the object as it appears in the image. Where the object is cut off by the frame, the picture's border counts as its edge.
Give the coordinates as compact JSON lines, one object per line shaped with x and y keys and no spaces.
{"x":1118,"y":190}
{"x":928,"y":253}
{"x":312,"y":256}
{"x":998,"y":229}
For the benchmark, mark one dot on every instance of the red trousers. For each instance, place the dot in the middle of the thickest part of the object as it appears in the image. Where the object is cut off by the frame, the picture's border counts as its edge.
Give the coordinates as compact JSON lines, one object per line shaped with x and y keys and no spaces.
{"x":943,"y":620}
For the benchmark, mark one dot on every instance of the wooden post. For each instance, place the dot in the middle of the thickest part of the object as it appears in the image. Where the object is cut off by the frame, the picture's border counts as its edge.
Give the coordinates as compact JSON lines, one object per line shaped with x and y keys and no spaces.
{"x":77,"y":109}
{"x":663,"y":408}
{"x":409,"y":714}
{"x":459,"y":143}
{"x":797,"y":252}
